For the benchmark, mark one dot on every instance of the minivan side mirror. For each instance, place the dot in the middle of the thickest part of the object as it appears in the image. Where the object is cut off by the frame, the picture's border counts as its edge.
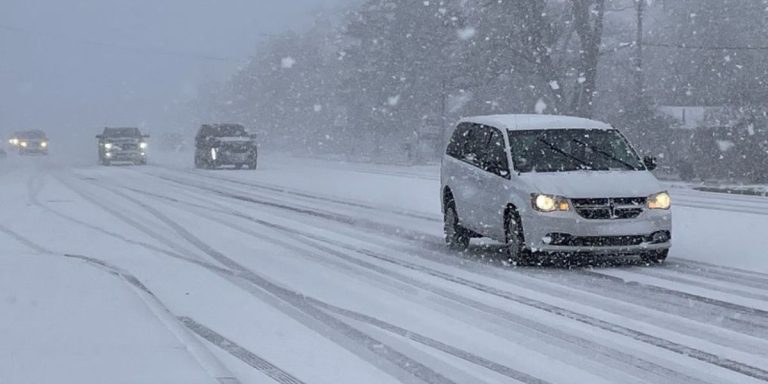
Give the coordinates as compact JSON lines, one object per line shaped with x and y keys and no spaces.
{"x":99,"y":137}
{"x":496,"y":169}
{"x":650,"y":163}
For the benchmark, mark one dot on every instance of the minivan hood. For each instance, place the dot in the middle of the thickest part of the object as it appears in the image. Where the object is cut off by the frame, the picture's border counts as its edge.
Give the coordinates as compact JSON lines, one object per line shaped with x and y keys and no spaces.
{"x":594,"y":184}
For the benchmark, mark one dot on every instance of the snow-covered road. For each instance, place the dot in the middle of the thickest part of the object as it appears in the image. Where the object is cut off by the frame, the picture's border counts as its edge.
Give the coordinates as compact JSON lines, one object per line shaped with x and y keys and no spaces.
{"x":320,"y":272}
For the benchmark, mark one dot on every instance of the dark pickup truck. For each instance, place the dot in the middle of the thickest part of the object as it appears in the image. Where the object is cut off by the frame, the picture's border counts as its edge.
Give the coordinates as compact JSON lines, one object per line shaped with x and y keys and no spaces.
{"x":218,"y":145}
{"x":122,"y":145}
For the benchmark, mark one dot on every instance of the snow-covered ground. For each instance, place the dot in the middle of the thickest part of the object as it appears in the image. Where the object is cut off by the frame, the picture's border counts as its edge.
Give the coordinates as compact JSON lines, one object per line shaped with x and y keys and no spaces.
{"x":326,"y":272}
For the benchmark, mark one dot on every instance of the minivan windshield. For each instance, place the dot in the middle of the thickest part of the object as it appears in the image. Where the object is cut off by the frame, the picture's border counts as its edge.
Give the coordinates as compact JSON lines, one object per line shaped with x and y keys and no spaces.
{"x":563,"y":150}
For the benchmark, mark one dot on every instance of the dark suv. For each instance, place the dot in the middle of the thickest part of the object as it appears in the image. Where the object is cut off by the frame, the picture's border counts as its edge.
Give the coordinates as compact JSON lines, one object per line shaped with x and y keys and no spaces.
{"x":122,"y":145}
{"x":218,"y":145}
{"x":31,"y":142}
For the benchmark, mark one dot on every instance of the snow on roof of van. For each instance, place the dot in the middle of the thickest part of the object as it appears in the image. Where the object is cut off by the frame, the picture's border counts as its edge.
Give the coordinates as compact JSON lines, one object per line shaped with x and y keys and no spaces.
{"x":533,"y":122}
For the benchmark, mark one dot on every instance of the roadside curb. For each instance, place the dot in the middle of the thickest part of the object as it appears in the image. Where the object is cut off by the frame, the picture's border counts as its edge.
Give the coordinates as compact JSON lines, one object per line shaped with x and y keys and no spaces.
{"x":732,"y":191}
{"x":210,"y":363}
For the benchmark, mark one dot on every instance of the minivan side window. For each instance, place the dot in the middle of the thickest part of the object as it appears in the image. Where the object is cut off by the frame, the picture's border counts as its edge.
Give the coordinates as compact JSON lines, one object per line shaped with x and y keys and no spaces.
{"x":476,"y":148}
{"x":495,"y":158}
{"x":492,"y":156}
{"x":458,"y":143}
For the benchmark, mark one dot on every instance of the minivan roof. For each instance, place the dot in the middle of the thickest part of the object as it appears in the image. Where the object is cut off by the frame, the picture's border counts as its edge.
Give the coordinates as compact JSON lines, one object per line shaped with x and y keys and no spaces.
{"x":536,"y":122}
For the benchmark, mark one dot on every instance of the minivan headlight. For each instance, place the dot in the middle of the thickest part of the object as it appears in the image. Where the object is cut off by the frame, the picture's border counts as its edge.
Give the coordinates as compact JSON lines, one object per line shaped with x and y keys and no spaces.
{"x":108,"y":145}
{"x":143,"y":145}
{"x":549,"y":203}
{"x":660,"y":200}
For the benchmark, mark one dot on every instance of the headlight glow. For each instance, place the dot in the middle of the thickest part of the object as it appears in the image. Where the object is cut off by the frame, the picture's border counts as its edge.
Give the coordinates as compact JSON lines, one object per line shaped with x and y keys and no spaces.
{"x":44,"y":144}
{"x":14,"y":141}
{"x":108,"y":145}
{"x":143,"y":145}
{"x":24,"y":144}
{"x":547,"y":203}
{"x":660,"y":200}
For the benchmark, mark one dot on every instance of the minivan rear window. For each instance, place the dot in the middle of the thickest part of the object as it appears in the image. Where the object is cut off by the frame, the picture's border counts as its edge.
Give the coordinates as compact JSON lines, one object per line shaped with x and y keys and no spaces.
{"x":564,"y":150}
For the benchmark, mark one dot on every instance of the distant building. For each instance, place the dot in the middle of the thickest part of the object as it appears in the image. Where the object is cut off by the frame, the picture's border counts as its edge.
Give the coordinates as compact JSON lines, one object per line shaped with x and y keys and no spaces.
{"x":697,"y":117}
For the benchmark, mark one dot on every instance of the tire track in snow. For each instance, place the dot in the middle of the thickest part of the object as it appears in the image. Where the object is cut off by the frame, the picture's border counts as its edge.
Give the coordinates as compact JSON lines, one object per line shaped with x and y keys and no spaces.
{"x":127,"y":219}
{"x":340,"y":218}
{"x":640,"y":366}
{"x":649,"y":339}
{"x":749,"y":279}
{"x":297,"y":300}
{"x":410,"y":235}
{"x":241,"y":353}
{"x":679,"y":278}
{"x":305,"y":195}
{"x":23,"y":240}
{"x":754,"y":317}
{"x":278,"y":189}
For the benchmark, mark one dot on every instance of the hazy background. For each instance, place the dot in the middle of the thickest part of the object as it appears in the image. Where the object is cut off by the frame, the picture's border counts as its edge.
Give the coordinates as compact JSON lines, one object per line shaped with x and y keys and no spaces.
{"x":71,"y":67}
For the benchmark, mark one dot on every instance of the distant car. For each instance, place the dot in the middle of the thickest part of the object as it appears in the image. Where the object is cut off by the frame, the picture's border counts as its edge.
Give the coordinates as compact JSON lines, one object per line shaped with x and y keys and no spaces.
{"x":218,"y":145}
{"x":122,"y":145}
{"x":552,"y":185}
{"x":33,"y":142}
{"x":14,"y":140}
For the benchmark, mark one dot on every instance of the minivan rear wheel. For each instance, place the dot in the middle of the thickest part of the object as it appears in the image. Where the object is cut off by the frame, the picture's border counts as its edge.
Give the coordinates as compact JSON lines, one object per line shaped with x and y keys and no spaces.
{"x":456,"y":237}
{"x":517,"y":253}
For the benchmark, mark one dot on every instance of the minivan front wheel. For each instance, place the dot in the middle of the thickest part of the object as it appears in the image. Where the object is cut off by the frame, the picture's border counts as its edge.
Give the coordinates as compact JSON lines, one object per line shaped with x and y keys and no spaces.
{"x":516,"y":251}
{"x":456,"y":237}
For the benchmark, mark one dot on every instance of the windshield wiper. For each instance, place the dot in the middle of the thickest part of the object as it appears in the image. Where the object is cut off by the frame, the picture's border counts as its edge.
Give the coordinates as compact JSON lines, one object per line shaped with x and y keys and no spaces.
{"x":606,"y":154}
{"x":567,"y":155}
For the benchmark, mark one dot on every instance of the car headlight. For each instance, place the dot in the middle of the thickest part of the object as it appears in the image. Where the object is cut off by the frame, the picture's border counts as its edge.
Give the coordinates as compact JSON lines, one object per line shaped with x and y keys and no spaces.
{"x":143,"y":145}
{"x":660,"y":200}
{"x":44,"y":144}
{"x":24,"y":144}
{"x":549,"y":203}
{"x":108,"y":145}
{"x":14,"y":141}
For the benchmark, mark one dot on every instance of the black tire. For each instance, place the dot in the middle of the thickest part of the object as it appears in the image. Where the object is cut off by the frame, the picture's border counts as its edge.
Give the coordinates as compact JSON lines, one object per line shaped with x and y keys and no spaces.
{"x":655,"y":257}
{"x":253,"y":164}
{"x":517,"y":253}
{"x":456,"y":237}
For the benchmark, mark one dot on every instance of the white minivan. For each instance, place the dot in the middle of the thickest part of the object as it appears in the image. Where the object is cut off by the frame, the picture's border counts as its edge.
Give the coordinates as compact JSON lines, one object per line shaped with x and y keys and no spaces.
{"x":552,"y":185}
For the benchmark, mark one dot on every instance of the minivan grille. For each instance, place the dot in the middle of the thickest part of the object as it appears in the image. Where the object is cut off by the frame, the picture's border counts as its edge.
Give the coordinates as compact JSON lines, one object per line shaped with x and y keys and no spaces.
{"x":609,"y":208}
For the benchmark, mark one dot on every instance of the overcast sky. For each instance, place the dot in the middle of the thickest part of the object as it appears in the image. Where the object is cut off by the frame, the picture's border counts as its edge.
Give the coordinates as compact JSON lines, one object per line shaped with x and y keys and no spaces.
{"x":76,"y":65}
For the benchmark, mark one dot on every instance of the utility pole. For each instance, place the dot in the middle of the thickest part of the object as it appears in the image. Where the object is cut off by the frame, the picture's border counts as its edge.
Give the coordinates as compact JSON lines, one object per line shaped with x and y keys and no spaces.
{"x":639,"y":74}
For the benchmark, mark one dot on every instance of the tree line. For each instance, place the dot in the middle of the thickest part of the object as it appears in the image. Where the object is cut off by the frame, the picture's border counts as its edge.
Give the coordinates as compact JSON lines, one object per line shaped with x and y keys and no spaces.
{"x":382,"y":76}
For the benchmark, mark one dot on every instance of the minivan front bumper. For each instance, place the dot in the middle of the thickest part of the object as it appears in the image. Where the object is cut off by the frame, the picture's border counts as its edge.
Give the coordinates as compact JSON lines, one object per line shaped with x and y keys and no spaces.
{"x":567,"y":232}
